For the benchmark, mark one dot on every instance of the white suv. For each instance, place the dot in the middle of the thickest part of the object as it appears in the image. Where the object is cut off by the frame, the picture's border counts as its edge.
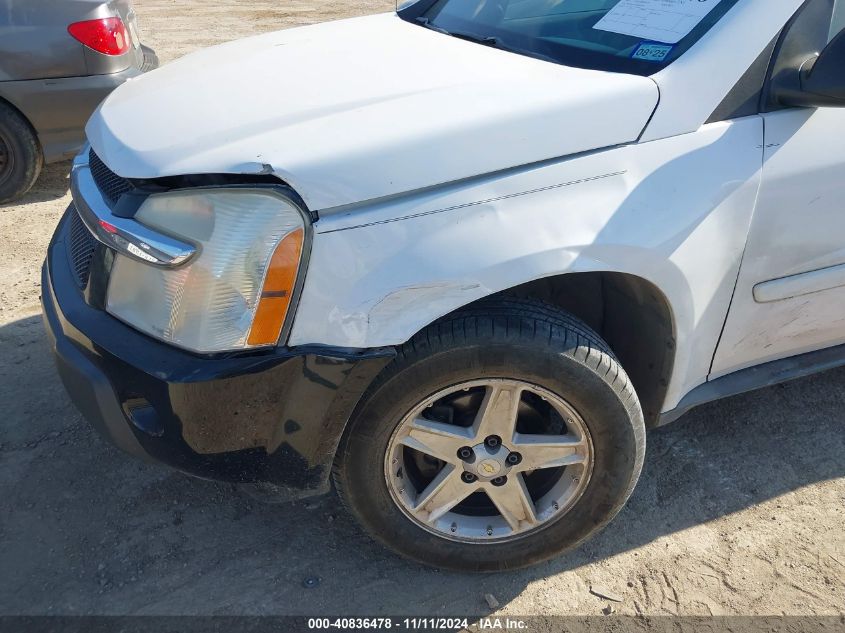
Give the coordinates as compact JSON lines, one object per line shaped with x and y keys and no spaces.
{"x":458,"y":258}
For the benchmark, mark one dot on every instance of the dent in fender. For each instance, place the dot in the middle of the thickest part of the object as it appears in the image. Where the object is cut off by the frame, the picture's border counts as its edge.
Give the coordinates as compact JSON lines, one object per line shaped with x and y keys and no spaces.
{"x":677,"y":215}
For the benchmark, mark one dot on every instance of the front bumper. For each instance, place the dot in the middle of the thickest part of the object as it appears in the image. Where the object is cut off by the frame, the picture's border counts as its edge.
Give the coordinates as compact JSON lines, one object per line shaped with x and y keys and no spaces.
{"x":273,"y":417}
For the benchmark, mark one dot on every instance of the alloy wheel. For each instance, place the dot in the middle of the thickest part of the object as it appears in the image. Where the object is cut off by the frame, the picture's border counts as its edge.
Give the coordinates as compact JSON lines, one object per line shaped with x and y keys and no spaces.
{"x":489,"y":460}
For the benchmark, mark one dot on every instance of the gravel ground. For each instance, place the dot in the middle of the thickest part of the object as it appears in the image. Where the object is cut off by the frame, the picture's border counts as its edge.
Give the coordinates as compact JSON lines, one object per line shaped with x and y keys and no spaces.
{"x":739,"y":510}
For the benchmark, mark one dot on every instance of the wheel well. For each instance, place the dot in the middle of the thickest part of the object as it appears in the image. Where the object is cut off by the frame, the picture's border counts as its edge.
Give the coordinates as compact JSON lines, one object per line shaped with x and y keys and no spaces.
{"x":15,"y":108}
{"x":630,"y":313}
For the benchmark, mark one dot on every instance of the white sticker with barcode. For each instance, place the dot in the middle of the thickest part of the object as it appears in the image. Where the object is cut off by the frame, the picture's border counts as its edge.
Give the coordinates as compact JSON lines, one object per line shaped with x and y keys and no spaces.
{"x":667,"y":21}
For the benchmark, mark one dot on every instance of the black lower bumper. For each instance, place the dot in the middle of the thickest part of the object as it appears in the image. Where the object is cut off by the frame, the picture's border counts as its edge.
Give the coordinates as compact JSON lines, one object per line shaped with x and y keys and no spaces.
{"x":273,"y":417}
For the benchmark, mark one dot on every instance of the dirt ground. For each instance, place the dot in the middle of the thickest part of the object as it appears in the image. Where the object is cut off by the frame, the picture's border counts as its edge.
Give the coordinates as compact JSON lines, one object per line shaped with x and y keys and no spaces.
{"x":740,"y":509}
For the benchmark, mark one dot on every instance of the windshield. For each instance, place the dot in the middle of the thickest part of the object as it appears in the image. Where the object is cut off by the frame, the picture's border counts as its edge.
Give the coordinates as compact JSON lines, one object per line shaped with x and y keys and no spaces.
{"x":631,"y":36}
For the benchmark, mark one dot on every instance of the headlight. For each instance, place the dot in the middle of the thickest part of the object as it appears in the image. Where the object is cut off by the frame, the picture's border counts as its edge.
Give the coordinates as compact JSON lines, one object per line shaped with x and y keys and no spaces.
{"x":235,"y":292}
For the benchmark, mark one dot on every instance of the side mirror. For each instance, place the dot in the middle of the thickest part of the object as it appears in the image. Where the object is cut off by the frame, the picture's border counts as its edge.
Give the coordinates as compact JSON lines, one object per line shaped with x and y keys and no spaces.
{"x":825,"y":79}
{"x":821,"y":79}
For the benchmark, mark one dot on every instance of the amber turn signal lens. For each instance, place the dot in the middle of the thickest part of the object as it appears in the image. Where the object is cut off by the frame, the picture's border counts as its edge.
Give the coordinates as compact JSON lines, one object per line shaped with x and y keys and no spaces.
{"x":277,"y":291}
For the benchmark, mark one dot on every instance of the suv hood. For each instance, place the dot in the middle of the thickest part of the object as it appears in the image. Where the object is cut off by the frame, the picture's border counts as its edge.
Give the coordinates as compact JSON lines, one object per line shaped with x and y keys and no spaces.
{"x":360,"y":109}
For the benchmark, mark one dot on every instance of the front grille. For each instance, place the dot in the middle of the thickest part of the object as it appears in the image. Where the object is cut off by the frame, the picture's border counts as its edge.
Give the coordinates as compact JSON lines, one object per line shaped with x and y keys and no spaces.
{"x":81,"y":249}
{"x":109,"y":183}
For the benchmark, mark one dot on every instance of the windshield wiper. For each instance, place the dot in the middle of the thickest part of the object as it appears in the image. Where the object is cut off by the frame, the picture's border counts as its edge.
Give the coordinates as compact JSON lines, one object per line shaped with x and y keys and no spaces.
{"x":427,"y":24}
{"x":472,"y":37}
{"x":486,"y":40}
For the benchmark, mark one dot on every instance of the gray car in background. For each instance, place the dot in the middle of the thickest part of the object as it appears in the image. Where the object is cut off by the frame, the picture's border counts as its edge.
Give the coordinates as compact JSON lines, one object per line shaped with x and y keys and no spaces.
{"x":58,"y":60}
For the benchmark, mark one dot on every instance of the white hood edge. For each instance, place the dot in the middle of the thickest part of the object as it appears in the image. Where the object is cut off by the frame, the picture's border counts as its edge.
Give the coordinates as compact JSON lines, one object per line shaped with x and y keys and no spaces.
{"x":361,"y":109}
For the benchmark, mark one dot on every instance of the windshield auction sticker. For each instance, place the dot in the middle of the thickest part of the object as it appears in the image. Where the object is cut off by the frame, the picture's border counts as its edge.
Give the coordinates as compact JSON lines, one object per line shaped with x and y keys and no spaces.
{"x":667,"y":21}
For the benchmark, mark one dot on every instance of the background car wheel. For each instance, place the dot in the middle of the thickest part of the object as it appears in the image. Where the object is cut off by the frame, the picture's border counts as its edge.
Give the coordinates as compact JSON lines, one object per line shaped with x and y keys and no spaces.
{"x":20,"y":155}
{"x":499,"y":437}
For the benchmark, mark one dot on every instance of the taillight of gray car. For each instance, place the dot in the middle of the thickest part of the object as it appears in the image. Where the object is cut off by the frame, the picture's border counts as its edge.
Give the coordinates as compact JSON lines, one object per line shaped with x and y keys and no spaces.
{"x":107,"y":36}
{"x":46,"y":99}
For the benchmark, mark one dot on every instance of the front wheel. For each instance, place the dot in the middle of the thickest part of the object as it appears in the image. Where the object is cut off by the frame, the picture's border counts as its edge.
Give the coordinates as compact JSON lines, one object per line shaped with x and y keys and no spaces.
{"x":500,"y":436}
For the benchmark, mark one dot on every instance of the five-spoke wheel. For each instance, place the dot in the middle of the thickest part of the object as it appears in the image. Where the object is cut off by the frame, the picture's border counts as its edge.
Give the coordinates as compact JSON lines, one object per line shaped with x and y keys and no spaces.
{"x":489,"y":459}
{"x":497,"y":438}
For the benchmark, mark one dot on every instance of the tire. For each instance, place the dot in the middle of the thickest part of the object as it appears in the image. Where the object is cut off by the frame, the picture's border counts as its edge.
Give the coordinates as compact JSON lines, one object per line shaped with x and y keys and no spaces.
{"x":497,"y":338}
{"x":21,"y":158}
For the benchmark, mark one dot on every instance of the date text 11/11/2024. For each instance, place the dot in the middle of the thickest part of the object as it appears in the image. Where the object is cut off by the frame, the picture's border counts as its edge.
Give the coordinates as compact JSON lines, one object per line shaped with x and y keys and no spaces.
{"x":418,"y":624}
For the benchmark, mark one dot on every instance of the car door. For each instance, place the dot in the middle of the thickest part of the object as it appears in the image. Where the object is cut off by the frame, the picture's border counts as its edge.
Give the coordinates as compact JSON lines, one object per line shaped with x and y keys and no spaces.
{"x":790,"y":294}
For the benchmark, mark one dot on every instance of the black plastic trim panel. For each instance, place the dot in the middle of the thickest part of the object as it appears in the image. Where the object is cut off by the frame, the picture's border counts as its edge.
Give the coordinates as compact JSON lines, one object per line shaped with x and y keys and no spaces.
{"x":758,"y":377}
{"x":744,"y":98}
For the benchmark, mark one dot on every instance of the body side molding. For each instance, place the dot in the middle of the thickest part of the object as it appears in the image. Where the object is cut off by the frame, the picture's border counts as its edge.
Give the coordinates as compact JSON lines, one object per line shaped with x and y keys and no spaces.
{"x":800,"y":284}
